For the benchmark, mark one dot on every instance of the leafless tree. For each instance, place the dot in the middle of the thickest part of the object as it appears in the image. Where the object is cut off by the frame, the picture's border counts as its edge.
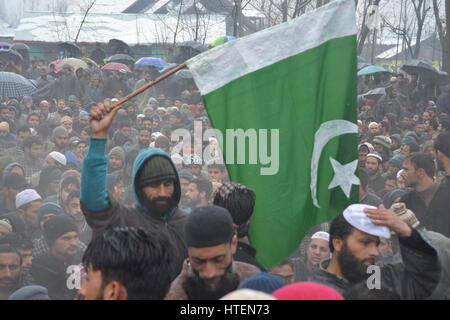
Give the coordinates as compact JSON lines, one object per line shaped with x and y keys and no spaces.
{"x":86,"y":9}
{"x":443,"y":32}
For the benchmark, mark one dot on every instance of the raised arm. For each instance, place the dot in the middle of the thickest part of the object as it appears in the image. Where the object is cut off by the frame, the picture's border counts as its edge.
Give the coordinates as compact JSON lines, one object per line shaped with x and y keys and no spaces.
{"x":94,"y":194}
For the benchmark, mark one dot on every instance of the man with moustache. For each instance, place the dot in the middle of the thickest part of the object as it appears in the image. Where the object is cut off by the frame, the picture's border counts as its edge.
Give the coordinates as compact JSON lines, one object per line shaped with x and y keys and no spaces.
{"x":155,"y":184}
{"x":354,"y":239}
{"x":10,"y":270}
{"x":210,"y":272}
{"x":51,"y":270}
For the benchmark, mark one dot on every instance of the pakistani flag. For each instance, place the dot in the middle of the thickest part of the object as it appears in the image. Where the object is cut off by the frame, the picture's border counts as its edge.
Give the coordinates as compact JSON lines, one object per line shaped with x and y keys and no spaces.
{"x":291,"y":91}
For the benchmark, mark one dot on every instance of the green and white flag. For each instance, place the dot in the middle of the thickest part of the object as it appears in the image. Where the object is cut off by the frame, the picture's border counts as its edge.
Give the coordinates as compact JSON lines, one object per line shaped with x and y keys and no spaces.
{"x":292,"y":90}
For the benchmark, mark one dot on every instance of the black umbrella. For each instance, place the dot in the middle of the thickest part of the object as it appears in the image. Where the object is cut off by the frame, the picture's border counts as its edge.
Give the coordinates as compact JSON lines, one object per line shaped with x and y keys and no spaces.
{"x":118,"y":46}
{"x":200,"y":47}
{"x":11,"y":55}
{"x":24,"y":50}
{"x":122,"y":58}
{"x":375,"y":94}
{"x":71,"y":48}
{"x":423,"y":69}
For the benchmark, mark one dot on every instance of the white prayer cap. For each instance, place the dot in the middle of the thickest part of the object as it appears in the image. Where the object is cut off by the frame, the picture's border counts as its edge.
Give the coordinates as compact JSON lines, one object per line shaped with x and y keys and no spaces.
{"x":157,"y":134}
{"x":321,"y":235}
{"x":399,"y":173}
{"x":375,"y":155}
{"x":354,"y":214}
{"x":58,"y":157}
{"x":5,"y":223}
{"x":372,"y":124}
{"x":26,"y":196}
{"x":140,"y":115}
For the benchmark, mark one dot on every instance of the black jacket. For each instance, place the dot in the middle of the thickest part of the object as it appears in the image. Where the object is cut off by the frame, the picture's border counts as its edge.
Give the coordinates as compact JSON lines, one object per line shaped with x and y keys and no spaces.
{"x":435,"y":217}
{"x":52,"y":273}
{"x":246,"y":253}
{"x":415,"y":278}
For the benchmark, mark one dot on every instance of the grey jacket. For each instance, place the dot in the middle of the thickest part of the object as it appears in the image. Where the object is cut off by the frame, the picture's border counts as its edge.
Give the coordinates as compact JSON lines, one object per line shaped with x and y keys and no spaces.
{"x":414,"y":279}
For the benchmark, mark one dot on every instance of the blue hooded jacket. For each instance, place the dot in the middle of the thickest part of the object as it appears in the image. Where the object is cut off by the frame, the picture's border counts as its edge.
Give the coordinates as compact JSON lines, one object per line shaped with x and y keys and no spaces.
{"x":94,"y":194}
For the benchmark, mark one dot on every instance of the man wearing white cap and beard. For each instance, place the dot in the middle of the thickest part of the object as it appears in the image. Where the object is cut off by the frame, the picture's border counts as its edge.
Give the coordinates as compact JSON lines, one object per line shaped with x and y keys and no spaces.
{"x":354,"y":239}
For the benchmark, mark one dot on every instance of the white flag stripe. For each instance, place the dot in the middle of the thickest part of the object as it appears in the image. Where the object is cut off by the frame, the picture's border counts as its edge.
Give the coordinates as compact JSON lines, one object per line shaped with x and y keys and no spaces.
{"x":234,"y":59}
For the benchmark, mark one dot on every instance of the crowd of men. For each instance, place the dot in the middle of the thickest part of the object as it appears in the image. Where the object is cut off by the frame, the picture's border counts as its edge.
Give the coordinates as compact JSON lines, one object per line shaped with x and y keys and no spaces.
{"x":96,"y":204}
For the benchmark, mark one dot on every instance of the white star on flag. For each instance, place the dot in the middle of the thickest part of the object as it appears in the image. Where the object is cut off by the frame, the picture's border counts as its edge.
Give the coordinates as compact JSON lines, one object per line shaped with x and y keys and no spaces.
{"x":344,"y":176}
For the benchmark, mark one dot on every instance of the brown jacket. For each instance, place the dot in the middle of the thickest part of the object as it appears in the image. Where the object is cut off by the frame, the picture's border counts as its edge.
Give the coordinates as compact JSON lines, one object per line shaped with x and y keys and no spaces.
{"x":176,"y":291}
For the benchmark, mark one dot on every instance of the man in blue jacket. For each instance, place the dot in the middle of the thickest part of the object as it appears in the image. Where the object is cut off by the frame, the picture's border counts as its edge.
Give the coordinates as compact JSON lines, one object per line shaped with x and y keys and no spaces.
{"x":155,"y":184}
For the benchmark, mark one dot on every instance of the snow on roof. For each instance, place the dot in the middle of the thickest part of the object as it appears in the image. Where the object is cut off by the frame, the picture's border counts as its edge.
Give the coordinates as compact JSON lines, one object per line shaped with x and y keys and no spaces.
{"x":130,"y":28}
{"x":5,"y":30}
{"x":100,"y":6}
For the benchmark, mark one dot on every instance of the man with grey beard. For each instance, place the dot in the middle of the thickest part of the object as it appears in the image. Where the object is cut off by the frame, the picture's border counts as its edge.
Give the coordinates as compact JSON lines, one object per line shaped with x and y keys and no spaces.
{"x":210,"y":272}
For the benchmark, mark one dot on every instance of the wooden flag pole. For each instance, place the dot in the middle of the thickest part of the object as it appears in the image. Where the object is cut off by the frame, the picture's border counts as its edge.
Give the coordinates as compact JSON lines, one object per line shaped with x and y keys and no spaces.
{"x":147,"y":85}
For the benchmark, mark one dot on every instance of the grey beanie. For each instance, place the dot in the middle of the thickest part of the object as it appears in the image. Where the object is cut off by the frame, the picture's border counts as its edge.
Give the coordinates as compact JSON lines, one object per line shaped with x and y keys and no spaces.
{"x":155,"y":169}
{"x":117,"y":152}
{"x":58,"y":131}
{"x":30,"y":293}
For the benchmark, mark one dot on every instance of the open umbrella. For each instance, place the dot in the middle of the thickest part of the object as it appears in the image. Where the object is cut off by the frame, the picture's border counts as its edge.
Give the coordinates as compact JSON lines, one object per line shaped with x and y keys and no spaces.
{"x":371,"y":70}
{"x":5,"y":45}
{"x":422,"y":68}
{"x":115,"y":66}
{"x":10,"y":54}
{"x":119,"y":46}
{"x":221,"y":40}
{"x":24,"y":51}
{"x":75,"y":63}
{"x":375,"y":94}
{"x":90,"y":61}
{"x":13,"y":85}
{"x":151,"y":62}
{"x":71,"y":48}
{"x":121,"y":58}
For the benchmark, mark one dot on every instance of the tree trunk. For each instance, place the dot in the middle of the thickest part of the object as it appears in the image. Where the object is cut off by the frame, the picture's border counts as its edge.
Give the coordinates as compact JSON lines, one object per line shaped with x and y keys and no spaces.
{"x":365,"y":31}
{"x":446,"y":44}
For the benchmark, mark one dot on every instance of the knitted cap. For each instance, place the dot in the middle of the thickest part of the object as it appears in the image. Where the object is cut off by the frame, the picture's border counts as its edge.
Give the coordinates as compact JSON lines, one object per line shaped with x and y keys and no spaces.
{"x":247,"y":294}
{"x":59,"y":131}
{"x":57,"y":226}
{"x":208,"y":226}
{"x":30,"y":293}
{"x":405,"y":215}
{"x":117,"y":152}
{"x":156,"y":168}
{"x":307,"y":291}
{"x":262,"y":281}
{"x":383,"y":140}
{"x":49,"y":207}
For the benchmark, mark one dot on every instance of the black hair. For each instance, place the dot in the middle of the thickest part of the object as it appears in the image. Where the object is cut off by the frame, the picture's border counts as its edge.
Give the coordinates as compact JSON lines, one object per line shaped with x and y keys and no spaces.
{"x":18,"y":240}
{"x":29,"y":141}
{"x":425,"y":161}
{"x":8,"y":248}
{"x":219,"y":166}
{"x":141,"y":261}
{"x":203,"y":185}
{"x":339,"y":228}
{"x":240,"y":203}
{"x":23,"y":129}
{"x":72,"y":194}
{"x":442,"y":143}
{"x":130,"y":157}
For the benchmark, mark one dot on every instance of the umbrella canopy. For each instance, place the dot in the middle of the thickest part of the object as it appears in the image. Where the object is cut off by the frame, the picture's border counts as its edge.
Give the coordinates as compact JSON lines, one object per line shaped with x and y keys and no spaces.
{"x":5,"y":45}
{"x":221,"y":40}
{"x":20,"y":46}
{"x":24,"y":51}
{"x":422,"y":68}
{"x":70,"y":47}
{"x":194,"y":45}
{"x":371,"y":70}
{"x":13,"y":85}
{"x":119,"y":46}
{"x":74,"y":62}
{"x":10,"y":54}
{"x":151,"y":62}
{"x":115,"y":66}
{"x":375,"y":94}
{"x":90,"y":61}
{"x":122,"y":58}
